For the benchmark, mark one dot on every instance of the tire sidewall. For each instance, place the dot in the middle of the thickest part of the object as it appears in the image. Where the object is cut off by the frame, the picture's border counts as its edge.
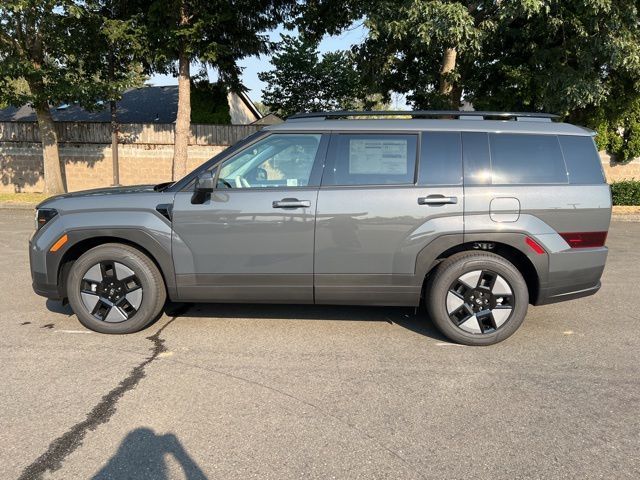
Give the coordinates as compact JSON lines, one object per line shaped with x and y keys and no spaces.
{"x":449,"y":273}
{"x":131,"y":259}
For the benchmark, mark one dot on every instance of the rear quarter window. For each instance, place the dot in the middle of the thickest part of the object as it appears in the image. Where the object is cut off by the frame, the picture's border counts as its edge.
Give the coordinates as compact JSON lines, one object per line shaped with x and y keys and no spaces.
{"x":582,"y":159}
{"x":526,"y":159}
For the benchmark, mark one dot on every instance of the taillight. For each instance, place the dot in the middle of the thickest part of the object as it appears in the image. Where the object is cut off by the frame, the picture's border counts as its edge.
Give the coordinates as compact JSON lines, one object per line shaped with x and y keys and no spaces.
{"x":585,"y":239}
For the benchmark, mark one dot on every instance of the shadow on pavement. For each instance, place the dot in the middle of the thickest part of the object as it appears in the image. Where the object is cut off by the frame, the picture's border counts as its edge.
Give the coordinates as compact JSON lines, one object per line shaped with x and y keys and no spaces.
{"x":408,"y":318}
{"x":142,"y":456}
{"x":56,"y":306}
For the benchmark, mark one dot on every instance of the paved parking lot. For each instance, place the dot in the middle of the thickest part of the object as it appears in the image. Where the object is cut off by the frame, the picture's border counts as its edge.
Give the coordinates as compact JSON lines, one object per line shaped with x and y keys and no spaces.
{"x":231,"y":391}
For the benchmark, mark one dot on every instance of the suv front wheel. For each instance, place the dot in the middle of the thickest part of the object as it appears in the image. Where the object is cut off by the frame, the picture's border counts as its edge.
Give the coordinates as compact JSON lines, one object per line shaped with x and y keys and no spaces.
{"x":115,"y":288}
{"x":477,"y":298}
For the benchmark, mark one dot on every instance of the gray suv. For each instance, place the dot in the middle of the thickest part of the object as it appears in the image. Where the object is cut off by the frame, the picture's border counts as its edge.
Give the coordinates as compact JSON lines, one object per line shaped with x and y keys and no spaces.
{"x":474,"y":215}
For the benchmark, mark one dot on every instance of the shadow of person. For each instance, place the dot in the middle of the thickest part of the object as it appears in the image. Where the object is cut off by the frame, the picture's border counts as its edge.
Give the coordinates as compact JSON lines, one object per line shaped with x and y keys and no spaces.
{"x":141,"y":455}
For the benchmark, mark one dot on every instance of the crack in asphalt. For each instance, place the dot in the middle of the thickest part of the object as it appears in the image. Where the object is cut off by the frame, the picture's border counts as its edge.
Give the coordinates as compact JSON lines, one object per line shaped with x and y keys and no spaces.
{"x":322,"y":411}
{"x":67,"y":443}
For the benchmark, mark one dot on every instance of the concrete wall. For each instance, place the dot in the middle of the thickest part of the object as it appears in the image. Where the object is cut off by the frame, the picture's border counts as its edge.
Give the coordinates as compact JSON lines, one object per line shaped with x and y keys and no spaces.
{"x":617,"y":171}
{"x":145,"y":153}
{"x":90,"y":166}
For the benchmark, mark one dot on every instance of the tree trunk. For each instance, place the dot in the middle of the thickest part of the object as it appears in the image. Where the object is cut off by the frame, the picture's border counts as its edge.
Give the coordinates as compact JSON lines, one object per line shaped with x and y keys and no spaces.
{"x":446,"y":85}
{"x":183,"y":119}
{"x":114,"y":144}
{"x":54,"y":180}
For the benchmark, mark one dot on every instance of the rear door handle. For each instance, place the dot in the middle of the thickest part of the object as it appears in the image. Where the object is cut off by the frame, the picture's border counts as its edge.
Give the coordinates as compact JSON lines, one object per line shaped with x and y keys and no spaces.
{"x":437,"y":200}
{"x":291,"y":203}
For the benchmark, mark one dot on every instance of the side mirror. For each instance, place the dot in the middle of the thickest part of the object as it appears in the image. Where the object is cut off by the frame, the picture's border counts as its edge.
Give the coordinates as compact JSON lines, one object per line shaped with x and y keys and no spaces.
{"x":203,"y":187}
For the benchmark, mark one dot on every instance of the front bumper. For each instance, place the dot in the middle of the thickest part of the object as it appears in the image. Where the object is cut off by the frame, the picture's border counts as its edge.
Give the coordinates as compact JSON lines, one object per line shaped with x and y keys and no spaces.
{"x":44,"y":277}
{"x":42,"y":288}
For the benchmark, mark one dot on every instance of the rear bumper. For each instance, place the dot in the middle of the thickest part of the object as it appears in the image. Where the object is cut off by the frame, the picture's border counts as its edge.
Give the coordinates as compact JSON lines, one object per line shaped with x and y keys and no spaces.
{"x":544,"y":298}
{"x":572,"y":274}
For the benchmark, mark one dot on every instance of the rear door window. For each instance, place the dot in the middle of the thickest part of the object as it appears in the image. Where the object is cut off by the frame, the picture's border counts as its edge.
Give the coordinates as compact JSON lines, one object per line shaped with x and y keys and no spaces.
{"x":526,"y":159}
{"x":371,"y":159}
{"x":583,"y":162}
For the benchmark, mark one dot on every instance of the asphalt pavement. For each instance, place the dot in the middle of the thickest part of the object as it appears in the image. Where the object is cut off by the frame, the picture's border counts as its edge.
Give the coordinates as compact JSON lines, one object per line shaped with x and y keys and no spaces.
{"x":287,"y":392}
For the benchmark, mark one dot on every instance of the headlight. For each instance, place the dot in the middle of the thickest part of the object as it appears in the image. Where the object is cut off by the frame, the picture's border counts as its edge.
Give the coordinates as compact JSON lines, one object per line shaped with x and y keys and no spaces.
{"x":43,"y":216}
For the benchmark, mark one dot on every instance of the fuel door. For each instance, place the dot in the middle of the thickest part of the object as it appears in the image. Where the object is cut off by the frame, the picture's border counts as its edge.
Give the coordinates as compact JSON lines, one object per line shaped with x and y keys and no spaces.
{"x":504,"y":209}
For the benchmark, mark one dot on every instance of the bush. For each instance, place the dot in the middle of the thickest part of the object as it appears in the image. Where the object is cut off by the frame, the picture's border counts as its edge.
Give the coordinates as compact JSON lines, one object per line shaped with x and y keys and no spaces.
{"x":617,"y":127}
{"x":626,"y":192}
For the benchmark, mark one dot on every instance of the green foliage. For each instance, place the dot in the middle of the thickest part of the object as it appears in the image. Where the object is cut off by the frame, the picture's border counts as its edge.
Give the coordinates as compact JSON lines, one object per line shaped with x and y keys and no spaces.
{"x":626,"y":192}
{"x":405,"y":47}
{"x":212,"y":33}
{"x":56,"y":51}
{"x":577,"y":58}
{"x":209,"y":104}
{"x":262,"y":108}
{"x":302,"y":81}
{"x":617,"y":123}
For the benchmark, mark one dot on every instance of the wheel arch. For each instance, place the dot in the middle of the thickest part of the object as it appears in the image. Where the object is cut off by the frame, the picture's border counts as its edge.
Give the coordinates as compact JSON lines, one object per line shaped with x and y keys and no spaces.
{"x":81,"y":242}
{"x":533,"y":267}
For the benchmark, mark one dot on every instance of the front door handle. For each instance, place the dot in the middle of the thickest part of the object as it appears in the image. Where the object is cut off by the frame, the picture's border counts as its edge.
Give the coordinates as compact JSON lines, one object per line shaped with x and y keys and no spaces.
{"x":437,"y":200}
{"x":291,"y":203}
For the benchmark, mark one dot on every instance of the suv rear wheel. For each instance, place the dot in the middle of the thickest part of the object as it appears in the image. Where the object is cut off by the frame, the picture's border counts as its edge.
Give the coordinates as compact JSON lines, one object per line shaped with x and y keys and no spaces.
{"x":114,"y":288}
{"x":477,"y":298}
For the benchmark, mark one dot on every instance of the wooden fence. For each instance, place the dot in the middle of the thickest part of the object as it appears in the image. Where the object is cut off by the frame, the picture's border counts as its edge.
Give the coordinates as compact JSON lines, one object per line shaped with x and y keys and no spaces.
{"x":130,"y":133}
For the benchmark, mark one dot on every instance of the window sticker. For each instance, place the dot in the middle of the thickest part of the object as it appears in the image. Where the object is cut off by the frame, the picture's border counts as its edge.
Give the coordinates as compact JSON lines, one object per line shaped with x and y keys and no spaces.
{"x":376,"y":157}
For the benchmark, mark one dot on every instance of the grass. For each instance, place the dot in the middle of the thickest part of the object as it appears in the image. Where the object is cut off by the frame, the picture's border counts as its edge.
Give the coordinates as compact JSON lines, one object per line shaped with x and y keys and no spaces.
{"x":22,"y":198}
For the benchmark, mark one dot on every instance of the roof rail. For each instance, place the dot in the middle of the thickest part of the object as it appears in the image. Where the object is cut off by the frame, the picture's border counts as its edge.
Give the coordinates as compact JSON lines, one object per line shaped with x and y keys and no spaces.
{"x":427,"y":114}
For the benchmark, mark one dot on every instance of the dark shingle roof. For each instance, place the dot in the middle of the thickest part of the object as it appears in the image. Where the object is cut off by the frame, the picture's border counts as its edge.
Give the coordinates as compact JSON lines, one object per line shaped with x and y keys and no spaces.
{"x":139,"y":105}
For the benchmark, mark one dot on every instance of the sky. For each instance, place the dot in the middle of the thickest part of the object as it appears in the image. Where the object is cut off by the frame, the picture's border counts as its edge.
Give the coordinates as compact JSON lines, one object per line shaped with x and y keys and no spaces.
{"x":253,"y":65}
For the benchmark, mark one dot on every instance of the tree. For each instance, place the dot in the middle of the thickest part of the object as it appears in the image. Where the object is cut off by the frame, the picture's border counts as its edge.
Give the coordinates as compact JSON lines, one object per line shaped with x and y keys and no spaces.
{"x":424,"y":49}
{"x":119,"y":59}
{"x":44,"y":47}
{"x":262,"y":108}
{"x":578,"y":58}
{"x":302,"y":81}
{"x":212,"y":34}
{"x":562,"y":56}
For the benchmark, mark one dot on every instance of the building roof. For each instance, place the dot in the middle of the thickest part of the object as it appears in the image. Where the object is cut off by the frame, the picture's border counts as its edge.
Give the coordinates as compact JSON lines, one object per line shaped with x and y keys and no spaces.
{"x":139,"y":105}
{"x":268,"y":119}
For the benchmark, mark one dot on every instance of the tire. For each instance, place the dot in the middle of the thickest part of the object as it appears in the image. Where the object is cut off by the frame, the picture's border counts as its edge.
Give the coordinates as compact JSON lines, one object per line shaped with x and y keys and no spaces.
{"x":477,"y":298}
{"x":115,"y":288}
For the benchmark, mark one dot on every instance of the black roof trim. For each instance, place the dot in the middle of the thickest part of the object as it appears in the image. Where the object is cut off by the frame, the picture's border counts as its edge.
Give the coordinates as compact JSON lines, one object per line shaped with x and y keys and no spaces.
{"x":422,"y":114}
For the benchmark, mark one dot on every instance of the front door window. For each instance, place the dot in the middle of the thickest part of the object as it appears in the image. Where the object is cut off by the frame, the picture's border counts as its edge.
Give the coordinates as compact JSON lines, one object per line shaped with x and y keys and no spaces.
{"x":280,"y":160}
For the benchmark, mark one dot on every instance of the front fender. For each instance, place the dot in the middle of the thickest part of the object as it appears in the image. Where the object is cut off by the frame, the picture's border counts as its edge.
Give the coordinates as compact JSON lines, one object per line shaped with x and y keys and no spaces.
{"x":148,"y":230}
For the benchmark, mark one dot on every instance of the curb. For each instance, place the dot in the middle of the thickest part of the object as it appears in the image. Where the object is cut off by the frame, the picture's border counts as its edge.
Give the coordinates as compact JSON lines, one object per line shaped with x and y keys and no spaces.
{"x":629,"y":217}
